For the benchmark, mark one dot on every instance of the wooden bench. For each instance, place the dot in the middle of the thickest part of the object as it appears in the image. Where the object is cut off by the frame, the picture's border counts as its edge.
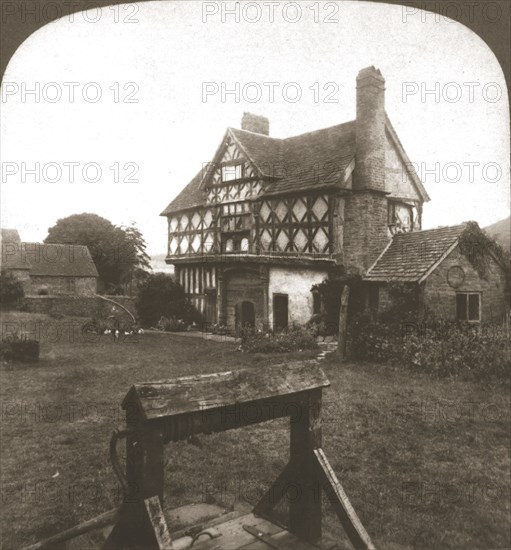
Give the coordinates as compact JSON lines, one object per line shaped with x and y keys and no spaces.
{"x":159,"y":413}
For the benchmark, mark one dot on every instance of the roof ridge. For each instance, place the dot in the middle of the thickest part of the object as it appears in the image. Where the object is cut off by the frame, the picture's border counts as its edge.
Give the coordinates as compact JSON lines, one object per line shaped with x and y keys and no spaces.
{"x":296,"y":135}
{"x":254,"y":133}
{"x":459,"y":225}
{"x":55,"y":244}
{"x":320,"y":130}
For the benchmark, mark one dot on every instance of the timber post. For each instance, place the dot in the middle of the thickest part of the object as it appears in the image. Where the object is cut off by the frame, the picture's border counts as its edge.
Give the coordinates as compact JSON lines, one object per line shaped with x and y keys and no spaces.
{"x":343,"y":322}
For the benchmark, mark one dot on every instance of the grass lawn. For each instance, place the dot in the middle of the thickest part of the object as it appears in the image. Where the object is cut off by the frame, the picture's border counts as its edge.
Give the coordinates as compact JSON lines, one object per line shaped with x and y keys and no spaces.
{"x":426,"y":463}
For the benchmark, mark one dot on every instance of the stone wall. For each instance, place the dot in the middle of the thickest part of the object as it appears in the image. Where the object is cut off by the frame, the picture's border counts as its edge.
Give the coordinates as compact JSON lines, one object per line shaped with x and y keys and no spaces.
{"x":80,"y":306}
{"x":440,"y":296}
{"x":78,"y":286}
{"x":365,"y":229}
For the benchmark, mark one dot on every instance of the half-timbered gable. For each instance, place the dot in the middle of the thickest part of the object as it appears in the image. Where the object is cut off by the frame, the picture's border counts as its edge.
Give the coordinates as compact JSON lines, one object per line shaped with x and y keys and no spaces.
{"x":267,"y":211}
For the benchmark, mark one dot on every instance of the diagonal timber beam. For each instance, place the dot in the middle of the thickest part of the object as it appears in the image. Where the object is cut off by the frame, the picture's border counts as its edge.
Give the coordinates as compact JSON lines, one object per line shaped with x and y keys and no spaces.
{"x":341,"y":504}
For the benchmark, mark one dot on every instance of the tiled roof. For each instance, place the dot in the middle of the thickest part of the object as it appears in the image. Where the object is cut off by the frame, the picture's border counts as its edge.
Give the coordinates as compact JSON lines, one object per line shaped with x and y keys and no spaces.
{"x":59,"y":260}
{"x":42,"y":259}
{"x":314,"y":159}
{"x":409,"y":256}
{"x":192,"y":195}
{"x":264,"y":151}
{"x":308,"y":161}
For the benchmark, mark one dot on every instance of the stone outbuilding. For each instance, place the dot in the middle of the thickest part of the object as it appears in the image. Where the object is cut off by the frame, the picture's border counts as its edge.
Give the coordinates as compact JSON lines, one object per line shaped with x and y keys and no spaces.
{"x":438,"y":262}
{"x":49,"y":269}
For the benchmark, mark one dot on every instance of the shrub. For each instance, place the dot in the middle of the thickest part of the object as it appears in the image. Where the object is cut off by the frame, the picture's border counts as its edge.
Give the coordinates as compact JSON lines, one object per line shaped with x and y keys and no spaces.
{"x":319,"y":326}
{"x":171,"y":325}
{"x":438,"y":347}
{"x":11,"y":290}
{"x":160,"y":296}
{"x":295,"y":338}
{"x":16,"y":348}
{"x":101,"y":326}
{"x":217,"y":328}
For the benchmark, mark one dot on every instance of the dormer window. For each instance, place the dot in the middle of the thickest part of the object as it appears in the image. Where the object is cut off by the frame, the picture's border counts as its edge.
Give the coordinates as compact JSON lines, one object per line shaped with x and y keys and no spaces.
{"x":232,"y":172}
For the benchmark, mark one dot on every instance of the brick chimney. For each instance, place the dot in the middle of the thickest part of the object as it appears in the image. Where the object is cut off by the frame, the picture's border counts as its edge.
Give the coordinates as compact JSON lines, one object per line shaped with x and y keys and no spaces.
{"x":365,"y":214}
{"x":370,"y":130}
{"x":255,"y":123}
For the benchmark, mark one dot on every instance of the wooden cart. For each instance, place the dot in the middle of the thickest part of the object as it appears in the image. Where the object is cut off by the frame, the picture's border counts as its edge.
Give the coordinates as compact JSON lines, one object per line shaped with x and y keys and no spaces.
{"x":159,"y":413}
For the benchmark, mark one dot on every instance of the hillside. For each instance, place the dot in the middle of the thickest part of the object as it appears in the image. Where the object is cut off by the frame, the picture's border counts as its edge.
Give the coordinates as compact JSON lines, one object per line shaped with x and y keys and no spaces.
{"x":501,"y":232}
{"x":159,"y":266}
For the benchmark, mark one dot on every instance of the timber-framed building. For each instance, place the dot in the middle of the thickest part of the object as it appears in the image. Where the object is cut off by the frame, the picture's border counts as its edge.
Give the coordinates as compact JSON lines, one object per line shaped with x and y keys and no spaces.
{"x":267,"y":218}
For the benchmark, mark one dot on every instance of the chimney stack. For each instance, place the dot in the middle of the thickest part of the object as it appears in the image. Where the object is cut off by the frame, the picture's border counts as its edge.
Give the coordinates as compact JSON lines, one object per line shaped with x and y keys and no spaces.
{"x":255,"y":123}
{"x":370,"y":131}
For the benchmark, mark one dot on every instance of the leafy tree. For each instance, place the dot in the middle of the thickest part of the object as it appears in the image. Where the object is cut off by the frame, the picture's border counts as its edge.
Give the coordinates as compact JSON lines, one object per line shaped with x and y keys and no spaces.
{"x":160,"y":296}
{"x":118,"y":252}
{"x":11,"y":289}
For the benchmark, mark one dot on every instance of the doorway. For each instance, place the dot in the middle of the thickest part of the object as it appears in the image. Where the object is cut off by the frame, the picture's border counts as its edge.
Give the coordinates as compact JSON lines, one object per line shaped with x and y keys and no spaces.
{"x":246,"y":314}
{"x":280,"y":311}
{"x":210,"y":307}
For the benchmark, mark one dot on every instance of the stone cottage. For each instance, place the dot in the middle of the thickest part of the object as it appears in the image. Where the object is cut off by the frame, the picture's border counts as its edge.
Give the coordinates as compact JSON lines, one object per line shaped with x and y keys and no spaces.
{"x":267,"y":219}
{"x":53,"y":269}
{"x":449,"y":286}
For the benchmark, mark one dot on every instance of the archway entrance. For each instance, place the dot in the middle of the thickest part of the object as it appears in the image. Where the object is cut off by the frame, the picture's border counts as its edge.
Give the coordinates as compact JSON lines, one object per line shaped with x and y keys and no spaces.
{"x":245,"y":313}
{"x":244,"y":299}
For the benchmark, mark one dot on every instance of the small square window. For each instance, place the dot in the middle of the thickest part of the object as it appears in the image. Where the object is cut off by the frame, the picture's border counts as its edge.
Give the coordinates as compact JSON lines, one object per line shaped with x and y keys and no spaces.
{"x":232,"y":172}
{"x":468,"y":306}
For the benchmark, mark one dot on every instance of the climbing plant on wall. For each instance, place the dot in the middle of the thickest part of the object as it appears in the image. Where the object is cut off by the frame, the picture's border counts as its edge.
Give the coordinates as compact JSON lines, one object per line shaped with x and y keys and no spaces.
{"x":479,"y":249}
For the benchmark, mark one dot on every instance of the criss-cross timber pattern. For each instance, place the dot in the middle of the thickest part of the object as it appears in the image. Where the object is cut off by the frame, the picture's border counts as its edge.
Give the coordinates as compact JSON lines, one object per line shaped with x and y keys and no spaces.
{"x":192,"y":232}
{"x":173,"y":410}
{"x":295,"y":224}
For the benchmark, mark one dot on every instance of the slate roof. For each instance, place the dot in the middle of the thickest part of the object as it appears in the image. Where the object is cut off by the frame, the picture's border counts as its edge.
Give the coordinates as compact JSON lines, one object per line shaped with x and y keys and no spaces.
{"x":192,"y":195}
{"x":311,"y":160}
{"x":264,"y":151}
{"x":305,"y":162}
{"x":315,"y":159}
{"x":409,"y":256}
{"x":50,"y":260}
{"x":59,"y":260}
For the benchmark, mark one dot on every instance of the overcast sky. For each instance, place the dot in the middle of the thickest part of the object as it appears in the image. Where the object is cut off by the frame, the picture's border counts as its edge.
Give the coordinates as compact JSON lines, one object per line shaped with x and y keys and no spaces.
{"x":161,"y":54}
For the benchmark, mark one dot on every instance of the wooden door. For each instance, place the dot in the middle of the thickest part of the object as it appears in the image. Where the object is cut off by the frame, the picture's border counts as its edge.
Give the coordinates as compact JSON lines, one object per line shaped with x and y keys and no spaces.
{"x":280,"y":311}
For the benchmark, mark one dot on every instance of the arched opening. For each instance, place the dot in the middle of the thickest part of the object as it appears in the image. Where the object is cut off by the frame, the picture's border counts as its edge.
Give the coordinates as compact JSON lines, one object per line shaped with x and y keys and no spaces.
{"x":245,"y":314}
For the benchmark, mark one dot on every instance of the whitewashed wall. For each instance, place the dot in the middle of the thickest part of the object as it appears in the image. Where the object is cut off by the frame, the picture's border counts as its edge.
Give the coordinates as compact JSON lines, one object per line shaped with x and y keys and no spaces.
{"x":296,"y":283}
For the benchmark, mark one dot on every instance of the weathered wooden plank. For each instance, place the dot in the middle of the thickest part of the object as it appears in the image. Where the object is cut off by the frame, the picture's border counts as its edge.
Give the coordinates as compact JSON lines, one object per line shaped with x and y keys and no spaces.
{"x":107,"y":518}
{"x":158,"y":523}
{"x":341,"y":504}
{"x":184,"y":531}
{"x":305,"y":508}
{"x":206,"y":392}
{"x":233,"y":536}
{"x":284,"y":541}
